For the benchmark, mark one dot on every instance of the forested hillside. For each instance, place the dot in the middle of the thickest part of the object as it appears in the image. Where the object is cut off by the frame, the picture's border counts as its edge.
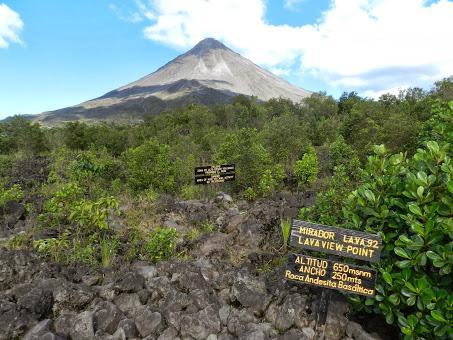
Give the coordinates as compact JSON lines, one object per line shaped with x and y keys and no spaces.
{"x":92,"y":194}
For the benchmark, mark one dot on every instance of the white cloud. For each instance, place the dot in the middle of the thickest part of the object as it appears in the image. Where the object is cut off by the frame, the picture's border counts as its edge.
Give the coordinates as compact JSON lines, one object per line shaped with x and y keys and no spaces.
{"x":280,"y":71}
{"x":368,"y":45}
{"x":291,"y":4}
{"x":133,"y":17}
{"x":10,"y":26}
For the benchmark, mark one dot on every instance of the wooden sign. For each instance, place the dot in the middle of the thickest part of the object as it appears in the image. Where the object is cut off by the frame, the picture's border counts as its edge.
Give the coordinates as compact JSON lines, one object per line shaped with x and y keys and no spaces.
{"x":331,"y":274}
{"x":338,"y":241}
{"x":215,"y":174}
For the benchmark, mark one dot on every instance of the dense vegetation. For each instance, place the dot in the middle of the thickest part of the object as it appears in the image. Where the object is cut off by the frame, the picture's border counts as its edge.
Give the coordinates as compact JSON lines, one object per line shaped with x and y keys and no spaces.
{"x":401,"y":190}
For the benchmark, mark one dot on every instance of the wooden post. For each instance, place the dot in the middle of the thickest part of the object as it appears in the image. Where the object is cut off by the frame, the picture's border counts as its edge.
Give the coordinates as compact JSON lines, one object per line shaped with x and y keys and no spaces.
{"x":321,"y":315}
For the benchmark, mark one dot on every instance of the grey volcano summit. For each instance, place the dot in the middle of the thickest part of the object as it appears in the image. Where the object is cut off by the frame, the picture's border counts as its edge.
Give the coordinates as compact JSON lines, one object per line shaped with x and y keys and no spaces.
{"x":209,"y":73}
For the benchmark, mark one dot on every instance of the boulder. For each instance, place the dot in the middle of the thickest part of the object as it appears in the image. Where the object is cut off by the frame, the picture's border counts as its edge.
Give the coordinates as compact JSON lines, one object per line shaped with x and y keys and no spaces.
{"x":284,"y":316}
{"x":148,"y":322}
{"x":14,"y":321}
{"x":63,"y":323}
{"x":250,"y":233}
{"x":295,"y":334}
{"x":239,"y":321}
{"x":234,"y":222}
{"x":201,"y":324}
{"x":129,"y":328}
{"x":128,"y":303}
{"x":106,"y":317}
{"x":130,"y":282}
{"x":83,"y":329}
{"x":170,"y":333}
{"x":68,"y":296}
{"x":148,"y":272}
{"x":37,"y":301}
{"x":39,"y":330}
{"x":250,"y":292}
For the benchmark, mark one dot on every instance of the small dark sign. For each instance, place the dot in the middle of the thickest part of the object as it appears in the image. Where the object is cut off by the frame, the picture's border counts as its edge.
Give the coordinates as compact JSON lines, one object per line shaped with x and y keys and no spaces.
{"x":338,"y":241}
{"x":331,"y":274}
{"x":214,"y":174}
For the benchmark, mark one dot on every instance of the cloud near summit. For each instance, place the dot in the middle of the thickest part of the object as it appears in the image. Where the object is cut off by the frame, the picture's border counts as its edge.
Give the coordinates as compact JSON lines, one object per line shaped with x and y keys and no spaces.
{"x":368,"y":45}
{"x":10,"y":26}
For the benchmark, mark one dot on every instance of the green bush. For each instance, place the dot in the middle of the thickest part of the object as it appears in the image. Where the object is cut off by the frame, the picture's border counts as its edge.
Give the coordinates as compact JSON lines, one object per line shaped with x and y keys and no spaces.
{"x":267,"y":183}
{"x":55,"y":248}
{"x":251,"y":158}
{"x":161,"y":244}
{"x":108,"y":248}
{"x":408,"y":202}
{"x":329,"y":203}
{"x":14,"y":193}
{"x":343,"y":154}
{"x":307,"y":168}
{"x":93,"y":215}
{"x":150,"y":166}
{"x":250,"y":194}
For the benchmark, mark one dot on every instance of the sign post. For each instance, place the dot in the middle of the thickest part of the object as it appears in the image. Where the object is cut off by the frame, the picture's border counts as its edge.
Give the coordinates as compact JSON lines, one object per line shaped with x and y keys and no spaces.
{"x":214,"y":174}
{"x":332,"y":273}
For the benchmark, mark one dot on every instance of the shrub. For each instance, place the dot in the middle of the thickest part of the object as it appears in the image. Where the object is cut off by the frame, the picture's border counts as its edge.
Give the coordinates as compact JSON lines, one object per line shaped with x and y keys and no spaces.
{"x":267,"y":183}
{"x":251,"y":158}
{"x":14,"y":193}
{"x":408,"y":202}
{"x":55,"y":248}
{"x":329,"y":203}
{"x":150,"y":166}
{"x":93,"y":214}
{"x":307,"y":168}
{"x":108,"y":251}
{"x":250,"y":194}
{"x":161,"y":244}
{"x":343,"y":154}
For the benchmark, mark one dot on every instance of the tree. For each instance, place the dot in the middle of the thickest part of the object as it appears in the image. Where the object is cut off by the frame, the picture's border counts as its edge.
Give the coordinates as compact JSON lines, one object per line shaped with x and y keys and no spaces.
{"x":251,"y":158}
{"x":19,"y":134}
{"x":77,"y":135}
{"x":150,"y":166}
{"x":284,"y":137}
{"x":307,"y":168}
{"x":343,"y":154}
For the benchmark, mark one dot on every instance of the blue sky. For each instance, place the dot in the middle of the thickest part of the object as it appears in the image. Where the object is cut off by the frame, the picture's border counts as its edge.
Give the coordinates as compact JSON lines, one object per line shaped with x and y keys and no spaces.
{"x":57,"y":53}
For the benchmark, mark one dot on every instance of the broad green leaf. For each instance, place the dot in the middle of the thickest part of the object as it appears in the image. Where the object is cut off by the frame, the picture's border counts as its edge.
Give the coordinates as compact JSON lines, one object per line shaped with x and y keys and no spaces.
{"x":420,"y":191}
{"x":403,"y":264}
{"x":401,"y":252}
{"x":415,"y":209}
{"x":433,"y":256}
{"x":437,"y":315}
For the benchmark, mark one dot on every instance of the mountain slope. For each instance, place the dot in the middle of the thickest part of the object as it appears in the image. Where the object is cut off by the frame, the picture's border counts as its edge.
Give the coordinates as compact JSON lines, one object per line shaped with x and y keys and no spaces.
{"x":209,"y":73}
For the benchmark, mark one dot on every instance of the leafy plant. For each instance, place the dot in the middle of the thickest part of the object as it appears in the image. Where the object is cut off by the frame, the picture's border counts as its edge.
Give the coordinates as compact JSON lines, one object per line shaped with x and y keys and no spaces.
{"x":108,"y":251}
{"x":161,"y":244}
{"x":267,"y":183}
{"x":53,"y":247}
{"x":93,"y":214}
{"x":307,"y":168}
{"x":285,"y":225}
{"x":14,"y":193}
{"x":250,"y":194}
{"x":329,"y":202}
{"x":18,"y":241}
{"x":408,"y":202}
{"x":150,"y":166}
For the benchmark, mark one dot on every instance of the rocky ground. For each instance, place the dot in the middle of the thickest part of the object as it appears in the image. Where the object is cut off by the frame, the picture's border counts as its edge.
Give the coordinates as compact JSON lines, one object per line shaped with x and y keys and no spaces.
{"x":228,"y":285}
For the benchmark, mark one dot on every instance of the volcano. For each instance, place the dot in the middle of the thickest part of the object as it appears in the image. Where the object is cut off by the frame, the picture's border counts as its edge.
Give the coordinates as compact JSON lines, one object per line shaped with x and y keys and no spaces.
{"x":210,"y":73}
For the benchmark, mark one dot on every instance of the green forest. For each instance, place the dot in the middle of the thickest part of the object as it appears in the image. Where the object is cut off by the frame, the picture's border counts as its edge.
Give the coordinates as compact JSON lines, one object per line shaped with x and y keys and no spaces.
{"x":376,"y":165}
